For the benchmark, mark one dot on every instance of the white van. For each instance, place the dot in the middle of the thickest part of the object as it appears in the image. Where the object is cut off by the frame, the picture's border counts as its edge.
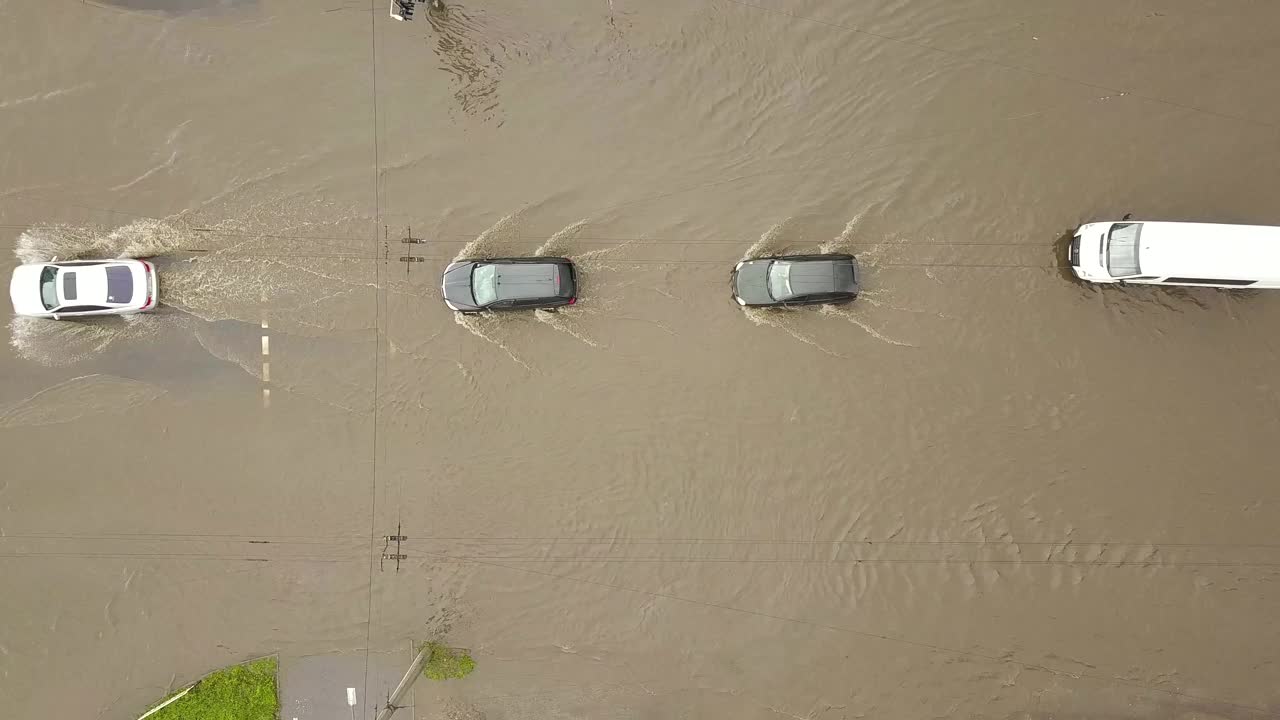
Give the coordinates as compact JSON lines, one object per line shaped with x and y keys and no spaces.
{"x":1177,"y":253}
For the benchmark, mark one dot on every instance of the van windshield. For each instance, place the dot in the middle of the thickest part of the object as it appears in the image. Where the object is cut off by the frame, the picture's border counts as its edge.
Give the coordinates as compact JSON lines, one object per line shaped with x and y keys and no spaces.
{"x":1122,"y":249}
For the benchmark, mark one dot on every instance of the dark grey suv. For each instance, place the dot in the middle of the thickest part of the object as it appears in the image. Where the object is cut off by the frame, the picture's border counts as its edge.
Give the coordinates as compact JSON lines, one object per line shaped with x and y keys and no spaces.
{"x":472,"y":286}
{"x":795,"y":280}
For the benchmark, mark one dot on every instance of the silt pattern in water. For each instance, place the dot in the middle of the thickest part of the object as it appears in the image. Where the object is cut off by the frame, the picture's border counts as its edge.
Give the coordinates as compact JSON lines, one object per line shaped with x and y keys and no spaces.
{"x":484,"y":326}
{"x":77,"y":398}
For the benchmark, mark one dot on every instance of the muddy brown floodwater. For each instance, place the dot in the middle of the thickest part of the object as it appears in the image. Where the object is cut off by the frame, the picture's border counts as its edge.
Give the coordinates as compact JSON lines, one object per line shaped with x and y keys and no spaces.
{"x":982,"y":490}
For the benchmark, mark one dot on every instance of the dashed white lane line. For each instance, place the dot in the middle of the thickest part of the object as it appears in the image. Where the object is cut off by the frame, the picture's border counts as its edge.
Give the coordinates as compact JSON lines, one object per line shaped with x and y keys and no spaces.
{"x":266,"y":365}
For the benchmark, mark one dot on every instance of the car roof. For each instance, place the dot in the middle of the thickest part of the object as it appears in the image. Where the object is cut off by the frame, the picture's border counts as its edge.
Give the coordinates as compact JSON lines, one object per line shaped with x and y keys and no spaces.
{"x":1209,"y":250}
{"x":94,"y":284}
{"x":523,"y":281}
{"x":810,"y":276}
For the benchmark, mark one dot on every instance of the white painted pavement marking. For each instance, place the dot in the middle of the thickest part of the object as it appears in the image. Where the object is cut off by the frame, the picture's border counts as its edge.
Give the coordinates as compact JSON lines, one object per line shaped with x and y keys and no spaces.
{"x":266,"y":365}
{"x":177,"y":697}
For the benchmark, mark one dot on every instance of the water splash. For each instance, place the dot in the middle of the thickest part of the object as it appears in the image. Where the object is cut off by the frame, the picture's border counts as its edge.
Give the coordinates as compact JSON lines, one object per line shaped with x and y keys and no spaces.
{"x":842,"y":243}
{"x":874,"y":298}
{"x":564,"y":323}
{"x":849,"y":315}
{"x":873,"y":253}
{"x":482,"y":326}
{"x":59,"y":343}
{"x":312,"y":274}
{"x":595,"y":261}
{"x":488,"y":243}
{"x":594,"y":254}
{"x":147,"y":237}
{"x":292,"y":257}
{"x":76,"y":398}
{"x":785,"y":321}
{"x":315,"y":296}
{"x":556,"y":245}
{"x":770,"y":243}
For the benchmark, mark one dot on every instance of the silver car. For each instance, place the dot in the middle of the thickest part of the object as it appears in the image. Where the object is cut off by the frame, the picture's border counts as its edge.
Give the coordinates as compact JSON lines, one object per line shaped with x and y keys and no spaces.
{"x":795,"y":280}
{"x":472,"y":286}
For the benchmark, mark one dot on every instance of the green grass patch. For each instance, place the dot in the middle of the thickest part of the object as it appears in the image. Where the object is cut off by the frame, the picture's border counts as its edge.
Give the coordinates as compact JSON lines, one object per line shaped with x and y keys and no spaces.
{"x":240,"y":692}
{"x":446,"y":663}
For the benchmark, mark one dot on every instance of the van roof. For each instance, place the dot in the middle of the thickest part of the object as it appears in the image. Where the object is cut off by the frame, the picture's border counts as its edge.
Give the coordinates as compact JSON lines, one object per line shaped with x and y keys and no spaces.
{"x":1208,"y":250}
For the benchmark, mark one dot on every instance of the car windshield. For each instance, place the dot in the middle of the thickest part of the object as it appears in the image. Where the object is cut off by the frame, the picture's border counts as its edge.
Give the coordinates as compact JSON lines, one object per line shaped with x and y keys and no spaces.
{"x":49,"y":287}
{"x":484,"y":285}
{"x":1122,"y":249}
{"x":780,"y":280}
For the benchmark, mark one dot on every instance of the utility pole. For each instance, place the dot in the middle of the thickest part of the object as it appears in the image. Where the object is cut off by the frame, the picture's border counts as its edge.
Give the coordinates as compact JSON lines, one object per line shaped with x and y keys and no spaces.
{"x":406,"y":682}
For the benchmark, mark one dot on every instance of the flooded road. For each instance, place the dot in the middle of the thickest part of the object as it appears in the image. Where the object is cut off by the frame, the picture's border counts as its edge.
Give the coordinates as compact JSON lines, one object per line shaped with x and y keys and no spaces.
{"x":980,"y":490}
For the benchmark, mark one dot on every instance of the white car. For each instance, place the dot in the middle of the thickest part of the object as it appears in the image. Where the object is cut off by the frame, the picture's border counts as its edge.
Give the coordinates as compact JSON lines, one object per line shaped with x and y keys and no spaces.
{"x":82,"y":288}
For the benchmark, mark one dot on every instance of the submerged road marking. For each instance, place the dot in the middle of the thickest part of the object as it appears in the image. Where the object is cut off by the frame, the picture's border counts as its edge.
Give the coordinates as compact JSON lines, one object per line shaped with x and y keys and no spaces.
{"x":266,"y":364}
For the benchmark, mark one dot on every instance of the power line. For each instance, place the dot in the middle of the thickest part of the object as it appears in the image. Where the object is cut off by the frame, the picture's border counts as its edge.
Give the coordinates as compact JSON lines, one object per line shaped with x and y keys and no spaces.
{"x":879,"y":636}
{"x":466,"y":559}
{"x":637,"y":261}
{"x":253,"y":539}
{"x":630,"y":261}
{"x":178,"y":556}
{"x":462,"y":238}
{"x":1099,"y":563}
{"x":784,"y":541}
{"x":377,"y":344}
{"x":483,"y":539}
